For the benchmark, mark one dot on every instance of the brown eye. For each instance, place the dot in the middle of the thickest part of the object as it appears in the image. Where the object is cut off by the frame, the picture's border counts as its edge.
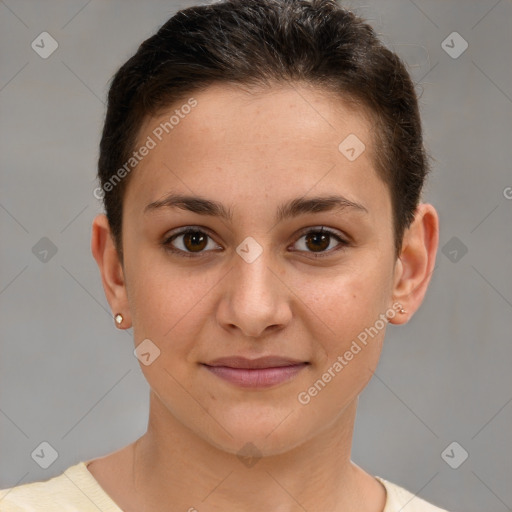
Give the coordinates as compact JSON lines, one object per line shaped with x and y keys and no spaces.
{"x":193,"y":241}
{"x":316,"y":241}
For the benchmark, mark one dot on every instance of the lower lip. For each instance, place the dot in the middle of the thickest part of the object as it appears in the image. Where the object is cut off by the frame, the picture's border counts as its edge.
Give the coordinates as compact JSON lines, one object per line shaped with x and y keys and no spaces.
{"x":256,"y":377}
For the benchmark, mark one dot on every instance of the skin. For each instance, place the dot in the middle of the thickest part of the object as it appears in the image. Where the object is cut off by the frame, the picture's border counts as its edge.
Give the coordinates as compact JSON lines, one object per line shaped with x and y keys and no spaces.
{"x":252,"y":152}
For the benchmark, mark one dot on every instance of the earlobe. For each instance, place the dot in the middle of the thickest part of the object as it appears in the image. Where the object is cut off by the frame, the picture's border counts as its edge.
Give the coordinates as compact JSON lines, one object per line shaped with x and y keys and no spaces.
{"x":413,"y":269}
{"x":111,"y":270}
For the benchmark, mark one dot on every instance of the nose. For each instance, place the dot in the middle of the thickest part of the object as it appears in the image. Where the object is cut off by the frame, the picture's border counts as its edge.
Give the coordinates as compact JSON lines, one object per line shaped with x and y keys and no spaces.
{"x":255,"y":297}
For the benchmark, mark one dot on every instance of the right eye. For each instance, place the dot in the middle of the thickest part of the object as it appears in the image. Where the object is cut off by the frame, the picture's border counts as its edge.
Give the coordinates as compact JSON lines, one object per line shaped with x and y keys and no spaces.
{"x":193,"y":242}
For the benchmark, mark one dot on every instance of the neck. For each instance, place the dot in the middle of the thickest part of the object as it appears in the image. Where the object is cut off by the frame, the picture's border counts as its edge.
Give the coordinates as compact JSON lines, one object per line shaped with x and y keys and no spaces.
{"x":173,"y":465}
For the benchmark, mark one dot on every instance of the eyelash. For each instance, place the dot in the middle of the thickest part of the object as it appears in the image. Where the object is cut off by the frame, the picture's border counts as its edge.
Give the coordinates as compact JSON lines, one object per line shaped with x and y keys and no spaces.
{"x":192,"y":230}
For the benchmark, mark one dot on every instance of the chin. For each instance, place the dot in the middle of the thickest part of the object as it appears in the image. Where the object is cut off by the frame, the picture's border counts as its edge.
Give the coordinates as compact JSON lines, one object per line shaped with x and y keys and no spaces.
{"x":259,"y":435}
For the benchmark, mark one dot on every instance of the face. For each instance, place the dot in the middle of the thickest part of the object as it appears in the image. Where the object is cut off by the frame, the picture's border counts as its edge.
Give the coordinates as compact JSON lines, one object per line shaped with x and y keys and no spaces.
{"x":263,"y":280}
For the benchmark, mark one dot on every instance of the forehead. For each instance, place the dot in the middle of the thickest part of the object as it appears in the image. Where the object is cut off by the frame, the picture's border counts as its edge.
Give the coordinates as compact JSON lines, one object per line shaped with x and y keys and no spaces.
{"x":283,"y":113}
{"x":280,"y":142}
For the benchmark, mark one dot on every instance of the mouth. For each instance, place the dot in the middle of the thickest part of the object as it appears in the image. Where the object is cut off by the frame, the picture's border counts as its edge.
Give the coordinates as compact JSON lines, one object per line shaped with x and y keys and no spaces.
{"x":263,"y":372}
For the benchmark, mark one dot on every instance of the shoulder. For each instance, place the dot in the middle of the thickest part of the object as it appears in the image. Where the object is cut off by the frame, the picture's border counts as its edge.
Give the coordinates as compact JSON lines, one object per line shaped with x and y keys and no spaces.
{"x":74,"y":489}
{"x":400,"y":499}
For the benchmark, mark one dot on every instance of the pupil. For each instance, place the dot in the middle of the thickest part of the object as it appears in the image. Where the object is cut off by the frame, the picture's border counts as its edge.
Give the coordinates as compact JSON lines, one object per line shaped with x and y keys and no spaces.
{"x":319,"y":237}
{"x":196,"y":238}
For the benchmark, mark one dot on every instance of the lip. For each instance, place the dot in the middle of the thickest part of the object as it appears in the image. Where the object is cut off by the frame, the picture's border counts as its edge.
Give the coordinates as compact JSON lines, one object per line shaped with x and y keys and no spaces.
{"x":262,"y":372}
{"x":260,"y":362}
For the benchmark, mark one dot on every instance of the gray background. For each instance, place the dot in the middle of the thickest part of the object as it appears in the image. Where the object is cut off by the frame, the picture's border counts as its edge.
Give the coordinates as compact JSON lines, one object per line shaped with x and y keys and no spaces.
{"x":68,"y":377}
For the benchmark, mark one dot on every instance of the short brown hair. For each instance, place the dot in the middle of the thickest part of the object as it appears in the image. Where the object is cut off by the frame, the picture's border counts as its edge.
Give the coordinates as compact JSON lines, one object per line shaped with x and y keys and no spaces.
{"x":257,"y":43}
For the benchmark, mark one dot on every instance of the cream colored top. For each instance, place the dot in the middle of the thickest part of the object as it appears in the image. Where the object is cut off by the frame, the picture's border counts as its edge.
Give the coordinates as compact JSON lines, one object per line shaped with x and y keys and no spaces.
{"x":76,"y":490}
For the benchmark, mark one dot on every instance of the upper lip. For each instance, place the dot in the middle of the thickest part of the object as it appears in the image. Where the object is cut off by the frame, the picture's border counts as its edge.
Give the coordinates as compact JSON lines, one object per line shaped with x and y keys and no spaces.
{"x":261,"y":362}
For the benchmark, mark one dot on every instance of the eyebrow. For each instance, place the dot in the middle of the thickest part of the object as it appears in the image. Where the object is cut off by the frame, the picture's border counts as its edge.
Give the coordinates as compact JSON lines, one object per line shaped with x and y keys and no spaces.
{"x":293,"y":208}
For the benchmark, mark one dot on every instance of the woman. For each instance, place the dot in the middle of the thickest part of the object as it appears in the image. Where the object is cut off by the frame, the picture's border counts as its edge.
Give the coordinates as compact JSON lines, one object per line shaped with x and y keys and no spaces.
{"x":261,"y":168}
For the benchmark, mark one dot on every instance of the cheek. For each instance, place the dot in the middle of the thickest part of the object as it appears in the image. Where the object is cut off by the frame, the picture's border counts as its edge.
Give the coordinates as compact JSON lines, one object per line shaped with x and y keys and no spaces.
{"x":161,"y":292}
{"x":348,"y":318}
{"x":343,"y":304}
{"x":171,"y":306}
{"x":350,"y":324}
{"x":340,"y":380}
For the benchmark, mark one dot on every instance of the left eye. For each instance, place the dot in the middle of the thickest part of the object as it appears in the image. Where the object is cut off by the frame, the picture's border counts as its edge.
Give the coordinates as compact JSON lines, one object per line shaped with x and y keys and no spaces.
{"x":320,"y":240}
{"x":195,"y":241}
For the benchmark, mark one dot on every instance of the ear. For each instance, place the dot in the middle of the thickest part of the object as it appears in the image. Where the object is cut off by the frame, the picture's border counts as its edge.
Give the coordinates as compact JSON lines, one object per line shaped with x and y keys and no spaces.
{"x":414,"y":267}
{"x":111,"y":269}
